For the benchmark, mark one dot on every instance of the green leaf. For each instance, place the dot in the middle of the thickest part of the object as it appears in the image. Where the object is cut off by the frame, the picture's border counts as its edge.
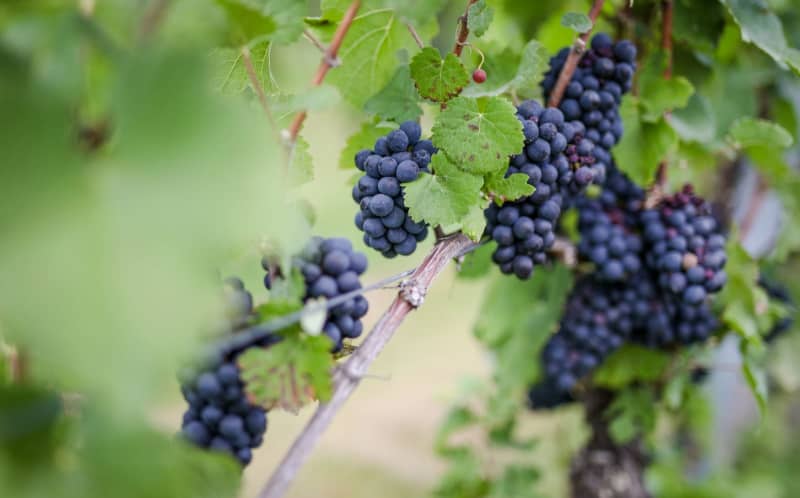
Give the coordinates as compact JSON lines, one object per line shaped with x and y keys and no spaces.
{"x":364,"y":138}
{"x":477,"y":263}
{"x":699,"y":24}
{"x":436,"y":79}
{"x":629,"y":364}
{"x":398,"y":101}
{"x":761,"y":27}
{"x":508,"y":71}
{"x":660,"y":95}
{"x":747,"y":131}
{"x":301,"y":169}
{"x":247,"y":21}
{"x":368,"y":54}
{"x":474,"y":223}
{"x":417,"y":12}
{"x":479,"y":17}
{"x":757,"y":380}
{"x":515,"y":337}
{"x":695,"y":121}
{"x":576,"y":21}
{"x":230,"y":75}
{"x":741,"y":298}
{"x":632,"y":413}
{"x":517,"y":481}
{"x":508,"y":188}
{"x":458,"y":418}
{"x":445,"y":197}
{"x":290,"y":373}
{"x":317,"y":98}
{"x":643,"y":145}
{"x":478,"y":135}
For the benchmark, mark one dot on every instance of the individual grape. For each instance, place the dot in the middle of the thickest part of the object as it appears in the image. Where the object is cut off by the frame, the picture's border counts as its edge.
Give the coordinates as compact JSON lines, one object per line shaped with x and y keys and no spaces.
{"x":331,"y":268}
{"x":397,"y":158}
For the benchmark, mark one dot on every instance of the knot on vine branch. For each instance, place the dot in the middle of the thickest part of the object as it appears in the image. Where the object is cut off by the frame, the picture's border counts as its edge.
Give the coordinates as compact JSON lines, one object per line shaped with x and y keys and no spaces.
{"x":411,"y":293}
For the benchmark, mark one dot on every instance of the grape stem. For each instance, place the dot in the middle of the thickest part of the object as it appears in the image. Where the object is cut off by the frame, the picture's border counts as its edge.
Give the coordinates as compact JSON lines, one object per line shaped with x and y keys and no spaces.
{"x":573,"y":58}
{"x":415,"y":35}
{"x":660,"y":184}
{"x":348,"y":377}
{"x":329,"y":60}
{"x":463,"y":30}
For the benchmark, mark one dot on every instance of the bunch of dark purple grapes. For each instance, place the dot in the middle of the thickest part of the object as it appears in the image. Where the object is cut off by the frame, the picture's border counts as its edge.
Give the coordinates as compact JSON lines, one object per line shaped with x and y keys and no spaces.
{"x":397,"y":158}
{"x":331,"y":268}
{"x":684,"y":247}
{"x":597,"y":320}
{"x":219,"y":416}
{"x":555,"y":159}
{"x":593,"y":95}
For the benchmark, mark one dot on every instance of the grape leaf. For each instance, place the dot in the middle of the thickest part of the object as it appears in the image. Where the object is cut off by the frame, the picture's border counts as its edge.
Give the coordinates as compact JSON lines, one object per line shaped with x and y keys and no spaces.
{"x":747,"y":131}
{"x":478,"y":135}
{"x":632,"y":413}
{"x":247,"y":21}
{"x":761,"y":27}
{"x":417,"y":12}
{"x":301,"y":169}
{"x":229,"y":73}
{"x":757,"y":380}
{"x":289,"y":374}
{"x":742,"y":300}
{"x":696,"y":121}
{"x":576,"y":21}
{"x":445,"y":197}
{"x":364,"y":138}
{"x":479,"y":17}
{"x":438,"y":79}
{"x":643,"y":145}
{"x":698,"y":24}
{"x":474,"y":222}
{"x":508,"y":189}
{"x":660,"y":95}
{"x":316,"y":98}
{"x":629,"y":364}
{"x":279,"y":21}
{"x":477,"y":263}
{"x":368,"y":54}
{"x":398,"y":101}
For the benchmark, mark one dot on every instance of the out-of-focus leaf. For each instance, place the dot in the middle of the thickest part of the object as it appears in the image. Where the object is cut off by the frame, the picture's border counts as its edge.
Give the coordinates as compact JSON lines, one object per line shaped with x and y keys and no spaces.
{"x":629,"y":364}
{"x":398,"y":101}
{"x":364,"y":138}
{"x":576,"y":21}
{"x":479,"y":17}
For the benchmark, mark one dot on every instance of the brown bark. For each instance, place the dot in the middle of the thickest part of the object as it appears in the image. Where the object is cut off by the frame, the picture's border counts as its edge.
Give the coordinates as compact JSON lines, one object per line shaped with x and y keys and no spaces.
{"x":604,"y":469}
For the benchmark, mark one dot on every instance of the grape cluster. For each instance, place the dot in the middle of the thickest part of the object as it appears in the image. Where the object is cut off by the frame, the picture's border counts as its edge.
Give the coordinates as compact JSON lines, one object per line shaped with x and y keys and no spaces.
{"x":219,"y":416}
{"x":593,"y":95}
{"x":597,"y":320}
{"x":330,"y":268}
{"x":684,"y":248}
{"x":396,"y":159}
{"x":556,"y":159}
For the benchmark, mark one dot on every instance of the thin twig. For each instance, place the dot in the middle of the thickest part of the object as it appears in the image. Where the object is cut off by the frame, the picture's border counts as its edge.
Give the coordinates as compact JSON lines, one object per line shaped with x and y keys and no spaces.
{"x":463,"y":30}
{"x":347,"y":378}
{"x":327,"y":63}
{"x":415,"y":35}
{"x":313,"y":39}
{"x":573,"y":58}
